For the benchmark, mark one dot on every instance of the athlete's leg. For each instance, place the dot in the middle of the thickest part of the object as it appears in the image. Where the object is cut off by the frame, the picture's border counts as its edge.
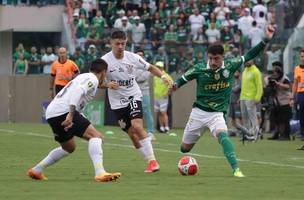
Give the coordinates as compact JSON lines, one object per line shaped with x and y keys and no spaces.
{"x":96,"y":154}
{"x":218,"y":128}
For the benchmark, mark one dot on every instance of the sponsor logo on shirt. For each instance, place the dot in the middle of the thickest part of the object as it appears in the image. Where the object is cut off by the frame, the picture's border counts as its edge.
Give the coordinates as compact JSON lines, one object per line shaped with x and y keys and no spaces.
{"x":217,"y":86}
{"x":126,"y":83}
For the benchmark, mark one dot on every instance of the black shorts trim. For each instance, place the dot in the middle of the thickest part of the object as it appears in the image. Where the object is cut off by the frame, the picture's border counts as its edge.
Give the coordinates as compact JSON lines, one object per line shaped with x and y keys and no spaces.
{"x":127,"y":114}
{"x":80,"y":125}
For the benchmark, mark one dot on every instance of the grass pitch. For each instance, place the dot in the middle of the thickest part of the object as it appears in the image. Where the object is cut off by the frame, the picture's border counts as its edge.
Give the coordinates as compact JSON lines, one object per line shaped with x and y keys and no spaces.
{"x":273,"y":169}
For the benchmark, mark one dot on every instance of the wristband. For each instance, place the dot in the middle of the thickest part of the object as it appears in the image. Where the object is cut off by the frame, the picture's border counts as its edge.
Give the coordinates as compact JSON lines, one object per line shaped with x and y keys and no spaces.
{"x":163,"y":77}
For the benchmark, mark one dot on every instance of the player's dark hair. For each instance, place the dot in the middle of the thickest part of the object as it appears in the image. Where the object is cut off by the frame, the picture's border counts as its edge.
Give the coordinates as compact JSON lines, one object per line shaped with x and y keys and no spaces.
{"x":98,"y":65}
{"x":277,"y":63}
{"x":216,"y":49}
{"x":302,"y":50}
{"x":117,"y":34}
{"x":254,"y":23}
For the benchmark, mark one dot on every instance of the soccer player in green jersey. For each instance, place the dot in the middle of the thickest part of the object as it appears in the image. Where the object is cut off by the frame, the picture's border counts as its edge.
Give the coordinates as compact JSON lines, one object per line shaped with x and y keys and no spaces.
{"x":214,"y":81}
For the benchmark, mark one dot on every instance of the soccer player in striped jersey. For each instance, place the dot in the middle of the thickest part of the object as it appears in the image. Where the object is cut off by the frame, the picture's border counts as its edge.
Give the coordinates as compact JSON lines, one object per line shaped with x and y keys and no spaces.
{"x":214,"y":82}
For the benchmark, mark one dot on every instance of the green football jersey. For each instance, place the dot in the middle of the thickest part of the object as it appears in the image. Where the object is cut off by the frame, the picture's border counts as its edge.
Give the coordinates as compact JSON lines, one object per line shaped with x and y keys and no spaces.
{"x":213,"y":86}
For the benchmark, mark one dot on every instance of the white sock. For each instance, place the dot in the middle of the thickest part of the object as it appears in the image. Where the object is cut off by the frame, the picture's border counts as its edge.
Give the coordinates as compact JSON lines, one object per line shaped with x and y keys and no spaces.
{"x":147,"y":149}
{"x":141,"y":151}
{"x":54,"y":156}
{"x":96,"y":155}
{"x":167,"y":128}
{"x":162,"y":129}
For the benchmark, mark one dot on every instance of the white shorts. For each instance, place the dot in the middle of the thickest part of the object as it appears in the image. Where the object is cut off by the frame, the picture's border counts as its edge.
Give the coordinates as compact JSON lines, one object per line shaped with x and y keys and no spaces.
{"x":161,"y":105}
{"x":199,"y":120}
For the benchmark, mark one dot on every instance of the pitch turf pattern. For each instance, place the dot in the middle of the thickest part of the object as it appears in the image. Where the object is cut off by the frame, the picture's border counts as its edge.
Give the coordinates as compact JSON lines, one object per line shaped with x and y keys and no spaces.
{"x":273,"y":169}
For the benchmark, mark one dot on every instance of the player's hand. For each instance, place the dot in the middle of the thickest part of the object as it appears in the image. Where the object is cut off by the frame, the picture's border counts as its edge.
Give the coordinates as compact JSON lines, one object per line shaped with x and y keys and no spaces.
{"x":113,"y":85}
{"x":172,"y":89}
{"x":51,"y":94}
{"x":166,"y":80}
{"x":270,"y":31}
{"x":68,"y":122}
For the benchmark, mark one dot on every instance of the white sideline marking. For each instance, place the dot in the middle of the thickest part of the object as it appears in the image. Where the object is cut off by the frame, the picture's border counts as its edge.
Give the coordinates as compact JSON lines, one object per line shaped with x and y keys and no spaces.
{"x":8,"y":131}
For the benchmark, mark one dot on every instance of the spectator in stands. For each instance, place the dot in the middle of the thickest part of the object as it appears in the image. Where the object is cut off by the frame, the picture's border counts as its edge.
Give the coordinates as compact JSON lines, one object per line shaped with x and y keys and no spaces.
{"x":20,"y":50}
{"x":298,"y":91}
{"x":79,"y":60}
{"x":118,"y":21}
{"x":143,"y":78}
{"x":47,"y":60}
{"x":34,"y":62}
{"x":161,"y":55}
{"x":239,"y":40}
{"x":99,"y":23}
{"x":226,"y":38}
{"x":200,"y":41}
{"x":161,"y":99}
{"x":213,"y":34}
{"x":190,"y":7}
{"x":156,"y":39}
{"x":221,"y":11}
{"x":82,"y":26}
{"x":132,"y":17}
{"x":214,"y":20}
{"x":170,"y":39}
{"x":138,"y":34}
{"x":92,"y":54}
{"x":173,"y":61}
{"x":281,"y":111}
{"x":199,"y":58}
{"x":21,"y":65}
{"x":159,"y":24}
{"x":245,"y":22}
{"x":259,"y":10}
{"x":125,"y":26}
{"x":205,"y":8}
{"x":196,"y":22}
{"x":182,"y":35}
{"x":145,"y":14}
{"x":274,"y":54}
{"x":251,"y":93}
{"x":234,"y":3}
{"x":256,"y":34}
{"x":235,"y":108}
{"x":63,"y":71}
{"x":93,"y":37}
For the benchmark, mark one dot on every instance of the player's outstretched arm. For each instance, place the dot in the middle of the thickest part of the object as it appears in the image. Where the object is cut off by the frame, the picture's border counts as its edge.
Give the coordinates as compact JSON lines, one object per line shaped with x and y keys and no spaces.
{"x":157,"y":72}
{"x":253,"y":52}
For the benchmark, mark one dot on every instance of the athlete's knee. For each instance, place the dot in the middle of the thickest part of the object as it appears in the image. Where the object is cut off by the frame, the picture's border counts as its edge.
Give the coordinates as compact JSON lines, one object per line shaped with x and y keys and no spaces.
{"x":69,"y":148}
{"x":137,"y":125}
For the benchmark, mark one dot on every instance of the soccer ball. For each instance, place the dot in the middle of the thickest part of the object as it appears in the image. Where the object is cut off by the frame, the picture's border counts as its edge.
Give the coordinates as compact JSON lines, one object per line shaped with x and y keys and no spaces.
{"x":187,"y":165}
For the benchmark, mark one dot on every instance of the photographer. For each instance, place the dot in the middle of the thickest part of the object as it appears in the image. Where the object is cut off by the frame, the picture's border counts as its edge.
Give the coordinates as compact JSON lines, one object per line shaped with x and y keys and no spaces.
{"x":279,"y":88}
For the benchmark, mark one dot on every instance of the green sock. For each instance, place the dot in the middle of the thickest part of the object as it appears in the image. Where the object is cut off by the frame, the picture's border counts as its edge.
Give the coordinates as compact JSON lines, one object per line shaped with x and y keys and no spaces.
{"x":228,"y":149}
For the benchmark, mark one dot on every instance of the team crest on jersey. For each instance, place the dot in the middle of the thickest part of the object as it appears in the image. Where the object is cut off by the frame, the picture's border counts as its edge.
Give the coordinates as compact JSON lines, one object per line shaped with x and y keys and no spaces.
{"x":90,"y":84}
{"x":217,"y":76}
{"x":226,"y":73}
{"x":129,"y":69}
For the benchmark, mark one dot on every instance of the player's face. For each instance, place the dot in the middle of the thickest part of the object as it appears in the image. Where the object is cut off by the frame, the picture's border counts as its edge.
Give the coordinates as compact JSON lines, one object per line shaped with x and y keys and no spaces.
{"x":215,"y":61}
{"x":118,"y":46}
{"x":62,"y":53}
{"x":102,"y":76}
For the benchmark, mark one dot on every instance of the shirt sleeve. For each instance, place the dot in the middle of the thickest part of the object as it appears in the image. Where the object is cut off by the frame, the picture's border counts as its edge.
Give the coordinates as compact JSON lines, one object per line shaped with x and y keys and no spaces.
{"x":53,"y":70}
{"x":191,"y":74}
{"x":141,"y":63}
{"x":75,"y":68}
{"x":236,"y":63}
